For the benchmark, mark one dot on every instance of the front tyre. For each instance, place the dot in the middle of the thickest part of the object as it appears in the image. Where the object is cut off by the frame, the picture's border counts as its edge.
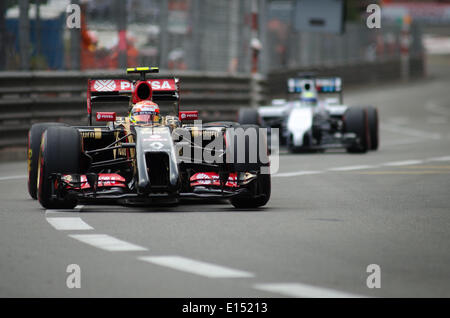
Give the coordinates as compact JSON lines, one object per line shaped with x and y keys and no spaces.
{"x":34,"y":144}
{"x":356,"y":121}
{"x":262,"y":189}
{"x":372,"y":118}
{"x":251,"y":155}
{"x":60,"y":153}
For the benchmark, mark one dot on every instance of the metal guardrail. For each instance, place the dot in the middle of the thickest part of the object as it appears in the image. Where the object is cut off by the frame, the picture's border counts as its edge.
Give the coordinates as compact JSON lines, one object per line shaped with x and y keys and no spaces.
{"x":60,"y":96}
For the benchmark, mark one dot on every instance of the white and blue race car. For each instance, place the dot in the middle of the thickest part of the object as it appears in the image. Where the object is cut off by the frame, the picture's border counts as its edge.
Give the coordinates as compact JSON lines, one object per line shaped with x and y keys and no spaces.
{"x":308,"y":123}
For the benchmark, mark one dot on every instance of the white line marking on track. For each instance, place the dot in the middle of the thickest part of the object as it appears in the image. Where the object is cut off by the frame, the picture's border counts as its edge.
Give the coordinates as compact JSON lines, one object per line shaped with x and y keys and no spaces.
{"x":12,"y":178}
{"x":302,"y":290}
{"x":361,"y":167}
{"x":195,"y":267}
{"x":296,"y":173}
{"x":402,"y":163}
{"x":447,"y":158}
{"x":437,"y":120}
{"x":107,"y":243}
{"x":69,"y":224}
{"x":410,"y":132}
{"x":350,"y":168}
{"x":400,"y":142}
{"x":78,"y":208}
{"x":437,"y":109}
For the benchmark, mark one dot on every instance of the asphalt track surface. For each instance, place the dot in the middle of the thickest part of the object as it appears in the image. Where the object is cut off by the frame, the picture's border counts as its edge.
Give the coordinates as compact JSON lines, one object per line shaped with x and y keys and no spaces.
{"x":330,"y":216}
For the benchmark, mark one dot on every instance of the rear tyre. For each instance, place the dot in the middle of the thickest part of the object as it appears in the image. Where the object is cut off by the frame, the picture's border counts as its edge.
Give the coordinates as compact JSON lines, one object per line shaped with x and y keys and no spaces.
{"x":372,"y":116}
{"x":249,"y":116}
{"x":60,"y":153}
{"x":259,"y":189}
{"x":356,"y":122}
{"x":34,"y":144}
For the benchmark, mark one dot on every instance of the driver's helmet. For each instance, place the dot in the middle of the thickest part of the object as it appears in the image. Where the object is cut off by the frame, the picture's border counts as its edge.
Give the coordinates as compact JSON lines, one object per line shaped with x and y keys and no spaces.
{"x":145,"y":112}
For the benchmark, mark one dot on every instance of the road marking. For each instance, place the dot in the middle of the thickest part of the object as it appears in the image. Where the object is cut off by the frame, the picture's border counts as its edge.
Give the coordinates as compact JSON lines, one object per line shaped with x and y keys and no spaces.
{"x":412,"y":172}
{"x":296,"y":173}
{"x":196,"y":267}
{"x":78,"y":208}
{"x":107,"y":243}
{"x":350,"y":168}
{"x":12,"y":178}
{"x":402,"y":163}
{"x":69,"y":224}
{"x":436,"y":120}
{"x":428,"y":167}
{"x":410,"y":132}
{"x":437,"y":109}
{"x":361,"y":167}
{"x":447,"y":158}
{"x":400,"y":142}
{"x":302,"y":290}
{"x":398,"y":120}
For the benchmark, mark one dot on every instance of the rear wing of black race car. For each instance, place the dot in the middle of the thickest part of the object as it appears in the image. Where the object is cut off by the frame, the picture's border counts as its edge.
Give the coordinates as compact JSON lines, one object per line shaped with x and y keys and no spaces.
{"x":126,"y":90}
{"x":323,"y":85}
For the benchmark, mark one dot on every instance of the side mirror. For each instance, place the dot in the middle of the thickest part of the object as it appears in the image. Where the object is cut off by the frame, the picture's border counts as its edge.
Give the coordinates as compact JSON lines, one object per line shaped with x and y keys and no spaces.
{"x":105,"y":116}
{"x":188,"y":115}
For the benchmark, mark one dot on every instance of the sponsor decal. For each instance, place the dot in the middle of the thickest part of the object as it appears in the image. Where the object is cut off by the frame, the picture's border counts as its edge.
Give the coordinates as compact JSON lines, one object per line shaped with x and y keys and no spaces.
{"x":104,"y":85}
{"x":110,"y":85}
{"x":211,"y":178}
{"x":87,"y":134}
{"x":104,"y":180}
{"x":188,"y":115}
{"x":125,"y":86}
{"x":155,"y":138}
{"x":104,"y":116}
{"x":156,"y":145}
{"x":163,"y":85}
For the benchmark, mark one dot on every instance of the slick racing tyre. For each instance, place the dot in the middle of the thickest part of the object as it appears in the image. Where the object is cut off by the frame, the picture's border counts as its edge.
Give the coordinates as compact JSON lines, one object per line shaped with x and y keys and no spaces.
{"x":262,"y":188}
{"x":34,"y":144}
{"x":258,"y":193}
{"x":60,"y":153}
{"x":372,"y":116}
{"x":249,"y":116}
{"x":356,"y":121}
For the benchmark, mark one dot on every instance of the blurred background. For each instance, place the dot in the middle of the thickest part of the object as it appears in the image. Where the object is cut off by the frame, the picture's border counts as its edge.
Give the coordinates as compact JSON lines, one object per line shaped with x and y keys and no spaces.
{"x":202,"y":35}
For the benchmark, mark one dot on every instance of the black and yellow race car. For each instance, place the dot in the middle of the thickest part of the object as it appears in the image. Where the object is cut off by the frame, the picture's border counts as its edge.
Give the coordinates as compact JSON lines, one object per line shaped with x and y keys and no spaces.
{"x":156,"y":162}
